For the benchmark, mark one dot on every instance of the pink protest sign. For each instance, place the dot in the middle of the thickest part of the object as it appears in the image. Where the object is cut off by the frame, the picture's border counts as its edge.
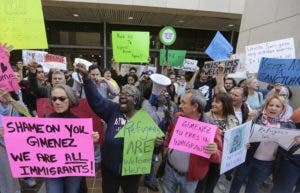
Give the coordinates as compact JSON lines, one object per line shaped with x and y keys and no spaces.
{"x":49,"y":147}
{"x":8,"y":81}
{"x":192,"y":136}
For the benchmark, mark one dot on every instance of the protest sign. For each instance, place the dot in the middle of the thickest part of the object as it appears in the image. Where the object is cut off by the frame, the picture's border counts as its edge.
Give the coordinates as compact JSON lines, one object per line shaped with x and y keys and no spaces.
{"x":54,"y":61}
{"x":284,"y":71}
{"x":192,"y":136}
{"x":189,"y":65}
{"x":49,"y":147}
{"x":82,"y":61}
{"x":283,"y":49}
{"x":175,"y":57}
{"x":211,"y":67}
{"x":219,"y":48}
{"x":82,"y":110}
{"x":284,"y":137}
{"x":125,"y":69}
{"x":234,"y":146}
{"x":8,"y":81}
{"x":139,"y":134}
{"x":22,"y":24}
{"x":32,"y":55}
{"x":130,"y":46}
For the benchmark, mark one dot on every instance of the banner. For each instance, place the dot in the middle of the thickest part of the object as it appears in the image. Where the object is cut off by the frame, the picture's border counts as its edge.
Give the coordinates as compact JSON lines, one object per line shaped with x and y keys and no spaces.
{"x":284,"y":137}
{"x":83,"y":110}
{"x":219,"y":48}
{"x":211,"y":67}
{"x":283,"y":71}
{"x":22,"y":24}
{"x":192,"y":136}
{"x":139,"y":134}
{"x":8,"y":81}
{"x":130,"y":46}
{"x":49,"y":147}
{"x":175,"y":57}
{"x":234,"y":146}
{"x":32,"y":55}
{"x":283,"y":49}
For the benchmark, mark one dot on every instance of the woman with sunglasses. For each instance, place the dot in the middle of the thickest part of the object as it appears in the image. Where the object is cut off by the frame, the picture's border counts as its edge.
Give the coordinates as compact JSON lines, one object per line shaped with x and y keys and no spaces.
{"x":62,"y":98}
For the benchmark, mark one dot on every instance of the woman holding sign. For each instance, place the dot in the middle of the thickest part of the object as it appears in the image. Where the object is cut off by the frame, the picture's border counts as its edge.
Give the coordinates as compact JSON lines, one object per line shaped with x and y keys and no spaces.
{"x":62,"y":99}
{"x":261,"y":155}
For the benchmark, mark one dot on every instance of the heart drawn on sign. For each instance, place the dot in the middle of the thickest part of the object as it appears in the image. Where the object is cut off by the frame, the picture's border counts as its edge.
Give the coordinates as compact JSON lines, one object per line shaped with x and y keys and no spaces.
{"x":3,"y":67}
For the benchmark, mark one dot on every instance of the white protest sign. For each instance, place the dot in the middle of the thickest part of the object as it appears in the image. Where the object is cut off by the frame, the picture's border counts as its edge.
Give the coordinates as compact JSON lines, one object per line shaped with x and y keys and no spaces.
{"x":283,"y":49}
{"x":82,"y":61}
{"x":152,"y":69}
{"x":54,"y":61}
{"x":29,"y":55}
{"x":189,"y":65}
{"x":284,"y":137}
{"x":234,"y":147}
{"x":125,"y":69}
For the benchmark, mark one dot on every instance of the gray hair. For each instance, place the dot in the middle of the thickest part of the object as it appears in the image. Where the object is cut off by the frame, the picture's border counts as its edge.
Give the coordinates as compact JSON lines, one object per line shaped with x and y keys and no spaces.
{"x":197,"y":98}
{"x":73,"y":99}
{"x":134,"y":91}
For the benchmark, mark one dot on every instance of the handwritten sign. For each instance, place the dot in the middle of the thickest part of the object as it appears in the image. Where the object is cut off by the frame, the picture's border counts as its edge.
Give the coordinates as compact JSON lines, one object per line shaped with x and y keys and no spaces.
{"x":129,"y":46}
{"x":22,"y":24}
{"x":8,"y":81}
{"x":219,"y":48}
{"x":189,"y":65}
{"x":211,"y":67}
{"x":83,"y":110}
{"x":192,"y":136}
{"x":284,"y":71}
{"x":283,"y":49}
{"x":48,"y":147}
{"x":175,"y":57}
{"x":32,"y":55}
{"x":234,"y":146}
{"x":82,"y":61}
{"x":139,"y":134}
{"x":284,"y":137}
{"x":54,"y":61}
{"x":125,"y":69}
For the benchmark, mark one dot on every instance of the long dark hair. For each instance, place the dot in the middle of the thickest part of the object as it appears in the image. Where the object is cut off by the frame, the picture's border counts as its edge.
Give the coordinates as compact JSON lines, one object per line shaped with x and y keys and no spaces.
{"x":226,"y":103}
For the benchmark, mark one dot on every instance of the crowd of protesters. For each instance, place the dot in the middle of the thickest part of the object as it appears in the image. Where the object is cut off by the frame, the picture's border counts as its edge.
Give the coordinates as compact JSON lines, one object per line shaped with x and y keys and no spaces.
{"x":115,"y":98}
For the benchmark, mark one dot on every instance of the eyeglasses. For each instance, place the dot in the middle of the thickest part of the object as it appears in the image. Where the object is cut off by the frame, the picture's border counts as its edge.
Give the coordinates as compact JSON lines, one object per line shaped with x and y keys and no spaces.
{"x":61,"y":99}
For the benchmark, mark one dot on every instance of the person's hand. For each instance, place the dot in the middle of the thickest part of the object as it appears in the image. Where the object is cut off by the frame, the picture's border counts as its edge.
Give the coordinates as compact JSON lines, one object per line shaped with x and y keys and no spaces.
{"x":159,"y":141}
{"x":297,"y":140}
{"x":1,"y":131}
{"x":252,"y":114}
{"x":7,"y":48}
{"x":221,"y":68}
{"x":211,"y":148}
{"x":80,"y":68}
{"x":96,"y":136}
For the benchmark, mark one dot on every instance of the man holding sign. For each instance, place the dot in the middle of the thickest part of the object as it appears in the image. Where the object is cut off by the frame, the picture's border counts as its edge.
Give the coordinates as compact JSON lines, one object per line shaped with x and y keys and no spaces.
{"x":185,"y":169}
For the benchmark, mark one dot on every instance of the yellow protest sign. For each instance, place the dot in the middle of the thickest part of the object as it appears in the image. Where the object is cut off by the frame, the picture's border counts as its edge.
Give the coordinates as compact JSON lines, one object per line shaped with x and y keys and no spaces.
{"x":22,"y":24}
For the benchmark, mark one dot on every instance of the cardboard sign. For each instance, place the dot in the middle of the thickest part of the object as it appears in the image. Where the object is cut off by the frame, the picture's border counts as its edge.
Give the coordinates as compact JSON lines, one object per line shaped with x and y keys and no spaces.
{"x":139,"y":134}
{"x":284,"y":137}
{"x":189,"y":65}
{"x":32,"y":55}
{"x":175,"y":57}
{"x":54,"y":61}
{"x":130,"y":46}
{"x":283,"y":49}
{"x":83,"y":110}
{"x":284,"y":71}
{"x":234,"y":146}
{"x":219,"y":48}
{"x":8,"y":81}
{"x":49,"y":147}
{"x":125,"y":69}
{"x":192,"y":136}
{"x":22,"y":24}
{"x":82,"y":61}
{"x":211,"y":67}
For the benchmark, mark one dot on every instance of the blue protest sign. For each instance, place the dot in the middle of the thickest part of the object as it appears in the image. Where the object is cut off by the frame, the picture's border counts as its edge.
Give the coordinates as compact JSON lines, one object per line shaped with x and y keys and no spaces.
{"x":283,"y":71}
{"x":219,"y":48}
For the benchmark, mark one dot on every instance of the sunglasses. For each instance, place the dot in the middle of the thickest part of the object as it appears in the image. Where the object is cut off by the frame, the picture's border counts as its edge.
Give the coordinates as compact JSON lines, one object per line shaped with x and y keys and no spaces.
{"x":61,"y":99}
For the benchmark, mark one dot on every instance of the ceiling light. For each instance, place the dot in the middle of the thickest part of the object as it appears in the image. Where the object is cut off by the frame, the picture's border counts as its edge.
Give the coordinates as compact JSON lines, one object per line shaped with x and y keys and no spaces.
{"x":75,"y":15}
{"x":180,"y":21}
{"x":130,"y":18}
{"x":230,"y":25}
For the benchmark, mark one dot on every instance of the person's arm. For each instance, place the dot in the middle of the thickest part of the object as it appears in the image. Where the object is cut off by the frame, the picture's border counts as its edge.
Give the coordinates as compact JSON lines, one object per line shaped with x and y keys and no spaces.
{"x":191,"y":83}
{"x":215,"y":148}
{"x":219,"y":88}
